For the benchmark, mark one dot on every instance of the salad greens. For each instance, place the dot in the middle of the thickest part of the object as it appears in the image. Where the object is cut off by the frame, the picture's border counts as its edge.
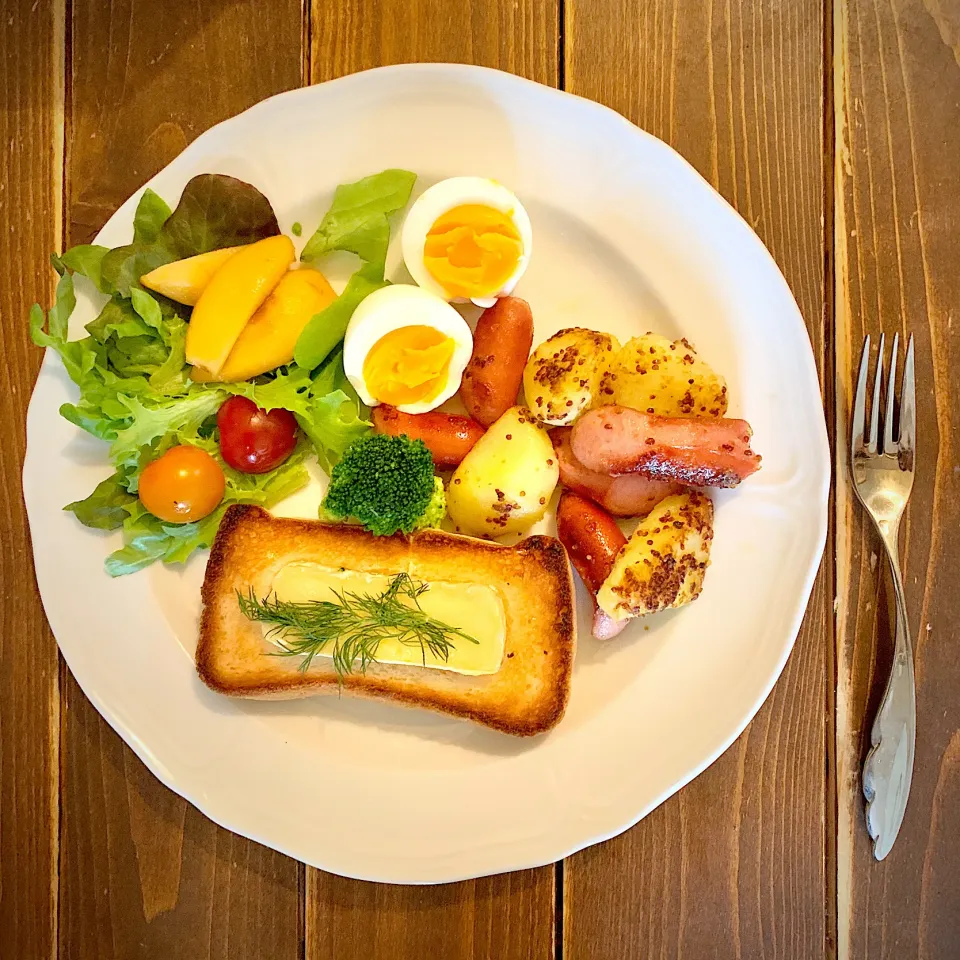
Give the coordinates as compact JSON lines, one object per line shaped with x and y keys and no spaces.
{"x":214,"y":211}
{"x":152,"y":213}
{"x":357,"y":222}
{"x":135,"y":390}
{"x":357,"y":218}
{"x":85,"y":259}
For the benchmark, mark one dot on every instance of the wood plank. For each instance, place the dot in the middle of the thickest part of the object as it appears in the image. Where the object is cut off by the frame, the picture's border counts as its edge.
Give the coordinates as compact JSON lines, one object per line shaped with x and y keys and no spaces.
{"x":898,"y":243}
{"x":732,"y":866}
{"x":494,"y":918}
{"x":31,"y":165}
{"x":515,"y":35}
{"x":497,"y":917}
{"x":149,"y":78}
{"x":143,"y":874}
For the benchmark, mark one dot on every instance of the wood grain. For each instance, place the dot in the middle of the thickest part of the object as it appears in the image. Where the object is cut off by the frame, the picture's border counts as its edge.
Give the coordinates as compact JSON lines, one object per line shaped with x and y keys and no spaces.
{"x":494,"y":918}
{"x":519,"y":36}
{"x":143,"y":874}
{"x":498,"y":917}
{"x":148,"y":78}
{"x":898,"y":236}
{"x":31,"y":113}
{"x":733,"y":866}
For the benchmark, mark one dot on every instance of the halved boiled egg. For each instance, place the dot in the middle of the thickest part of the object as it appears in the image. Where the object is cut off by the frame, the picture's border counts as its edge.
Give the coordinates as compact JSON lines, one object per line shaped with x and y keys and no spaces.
{"x":467,"y":238}
{"x":406,"y":347}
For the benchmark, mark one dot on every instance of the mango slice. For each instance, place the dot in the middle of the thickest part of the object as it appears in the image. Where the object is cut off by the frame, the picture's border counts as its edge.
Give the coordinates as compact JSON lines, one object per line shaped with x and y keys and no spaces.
{"x":267,"y":341}
{"x":185,"y":280}
{"x":233,"y":295}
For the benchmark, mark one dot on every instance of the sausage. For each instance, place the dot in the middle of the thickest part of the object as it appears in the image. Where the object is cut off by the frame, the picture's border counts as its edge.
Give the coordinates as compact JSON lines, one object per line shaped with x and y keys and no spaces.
{"x":629,"y":495}
{"x":697,"y":451}
{"x":501,"y":345}
{"x":448,"y":437}
{"x":591,"y":536}
{"x":593,"y":540}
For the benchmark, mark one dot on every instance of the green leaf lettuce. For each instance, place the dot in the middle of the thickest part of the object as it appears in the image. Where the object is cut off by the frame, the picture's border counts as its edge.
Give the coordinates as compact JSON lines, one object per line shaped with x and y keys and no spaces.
{"x":357,"y":222}
{"x":135,"y":391}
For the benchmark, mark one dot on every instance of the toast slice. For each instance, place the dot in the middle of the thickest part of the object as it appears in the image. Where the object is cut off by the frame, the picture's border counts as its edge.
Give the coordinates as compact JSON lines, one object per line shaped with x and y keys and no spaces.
{"x":526,"y":696}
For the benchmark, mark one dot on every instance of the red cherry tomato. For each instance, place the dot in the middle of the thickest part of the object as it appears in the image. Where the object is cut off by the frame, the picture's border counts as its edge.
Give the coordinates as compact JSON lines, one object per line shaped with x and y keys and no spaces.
{"x":253,"y":440}
{"x":183,"y":485}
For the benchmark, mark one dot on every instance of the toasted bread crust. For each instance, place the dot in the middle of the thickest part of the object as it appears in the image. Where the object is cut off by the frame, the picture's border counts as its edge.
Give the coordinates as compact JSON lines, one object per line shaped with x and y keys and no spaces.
{"x":527,"y":696}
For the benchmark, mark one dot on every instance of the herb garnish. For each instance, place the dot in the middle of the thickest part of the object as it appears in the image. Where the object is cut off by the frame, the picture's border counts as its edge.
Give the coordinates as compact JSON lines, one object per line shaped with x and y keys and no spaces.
{"x":355,"y":624}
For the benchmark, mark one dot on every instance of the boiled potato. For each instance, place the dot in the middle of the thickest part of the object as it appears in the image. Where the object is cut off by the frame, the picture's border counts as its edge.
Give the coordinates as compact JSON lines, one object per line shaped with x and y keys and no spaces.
{"x":663,"y":563}
{"x":504,"y":483}
{"x":655,"y":375}
{"x":568,"y":373}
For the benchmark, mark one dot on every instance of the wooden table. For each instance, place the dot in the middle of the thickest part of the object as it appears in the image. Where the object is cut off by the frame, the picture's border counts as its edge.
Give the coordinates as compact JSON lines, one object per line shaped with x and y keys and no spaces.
{"x":834,"y":128}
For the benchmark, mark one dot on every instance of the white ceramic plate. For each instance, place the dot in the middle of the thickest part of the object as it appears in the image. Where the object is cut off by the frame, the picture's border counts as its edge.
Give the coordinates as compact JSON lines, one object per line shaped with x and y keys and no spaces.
{"x":627,"y":238}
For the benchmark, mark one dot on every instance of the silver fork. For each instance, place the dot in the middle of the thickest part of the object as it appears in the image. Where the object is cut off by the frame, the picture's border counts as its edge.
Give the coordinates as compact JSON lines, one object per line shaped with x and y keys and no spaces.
{"x":882,"y":471}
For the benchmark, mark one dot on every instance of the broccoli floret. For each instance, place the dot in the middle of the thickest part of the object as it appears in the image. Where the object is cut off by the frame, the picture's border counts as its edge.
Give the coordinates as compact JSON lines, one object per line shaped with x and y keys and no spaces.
{"x":386,"y":483}
{"x":436,"y":508}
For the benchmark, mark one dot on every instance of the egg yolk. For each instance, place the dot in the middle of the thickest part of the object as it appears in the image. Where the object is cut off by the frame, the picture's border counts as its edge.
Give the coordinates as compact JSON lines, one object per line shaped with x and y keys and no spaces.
{"x":472,"y":250}
{"x":408,"y":365}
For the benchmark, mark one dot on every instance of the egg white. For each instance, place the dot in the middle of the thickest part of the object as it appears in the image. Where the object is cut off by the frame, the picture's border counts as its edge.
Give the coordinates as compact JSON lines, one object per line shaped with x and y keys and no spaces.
{"x":389,"y":309}
{"x":444,"y":196}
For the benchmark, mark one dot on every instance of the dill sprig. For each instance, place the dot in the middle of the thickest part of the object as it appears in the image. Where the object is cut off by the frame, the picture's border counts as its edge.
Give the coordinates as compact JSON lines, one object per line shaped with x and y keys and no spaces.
{"x":355,"y":624}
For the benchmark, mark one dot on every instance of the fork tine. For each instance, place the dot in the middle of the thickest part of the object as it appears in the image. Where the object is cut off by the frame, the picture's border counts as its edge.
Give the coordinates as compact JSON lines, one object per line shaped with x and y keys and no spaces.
{"x":860,"y":400}
{"x":875,"y":410}
{"x":888,"y":445}
{"x":908,"y":405}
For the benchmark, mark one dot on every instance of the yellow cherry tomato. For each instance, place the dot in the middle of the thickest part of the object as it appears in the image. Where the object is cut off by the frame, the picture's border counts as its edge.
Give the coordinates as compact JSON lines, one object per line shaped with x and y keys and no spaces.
{"x":183,"y":485}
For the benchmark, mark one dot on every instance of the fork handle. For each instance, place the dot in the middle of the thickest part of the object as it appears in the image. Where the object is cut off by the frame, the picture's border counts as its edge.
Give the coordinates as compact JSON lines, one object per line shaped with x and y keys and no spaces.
{"x":888,"y":769}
